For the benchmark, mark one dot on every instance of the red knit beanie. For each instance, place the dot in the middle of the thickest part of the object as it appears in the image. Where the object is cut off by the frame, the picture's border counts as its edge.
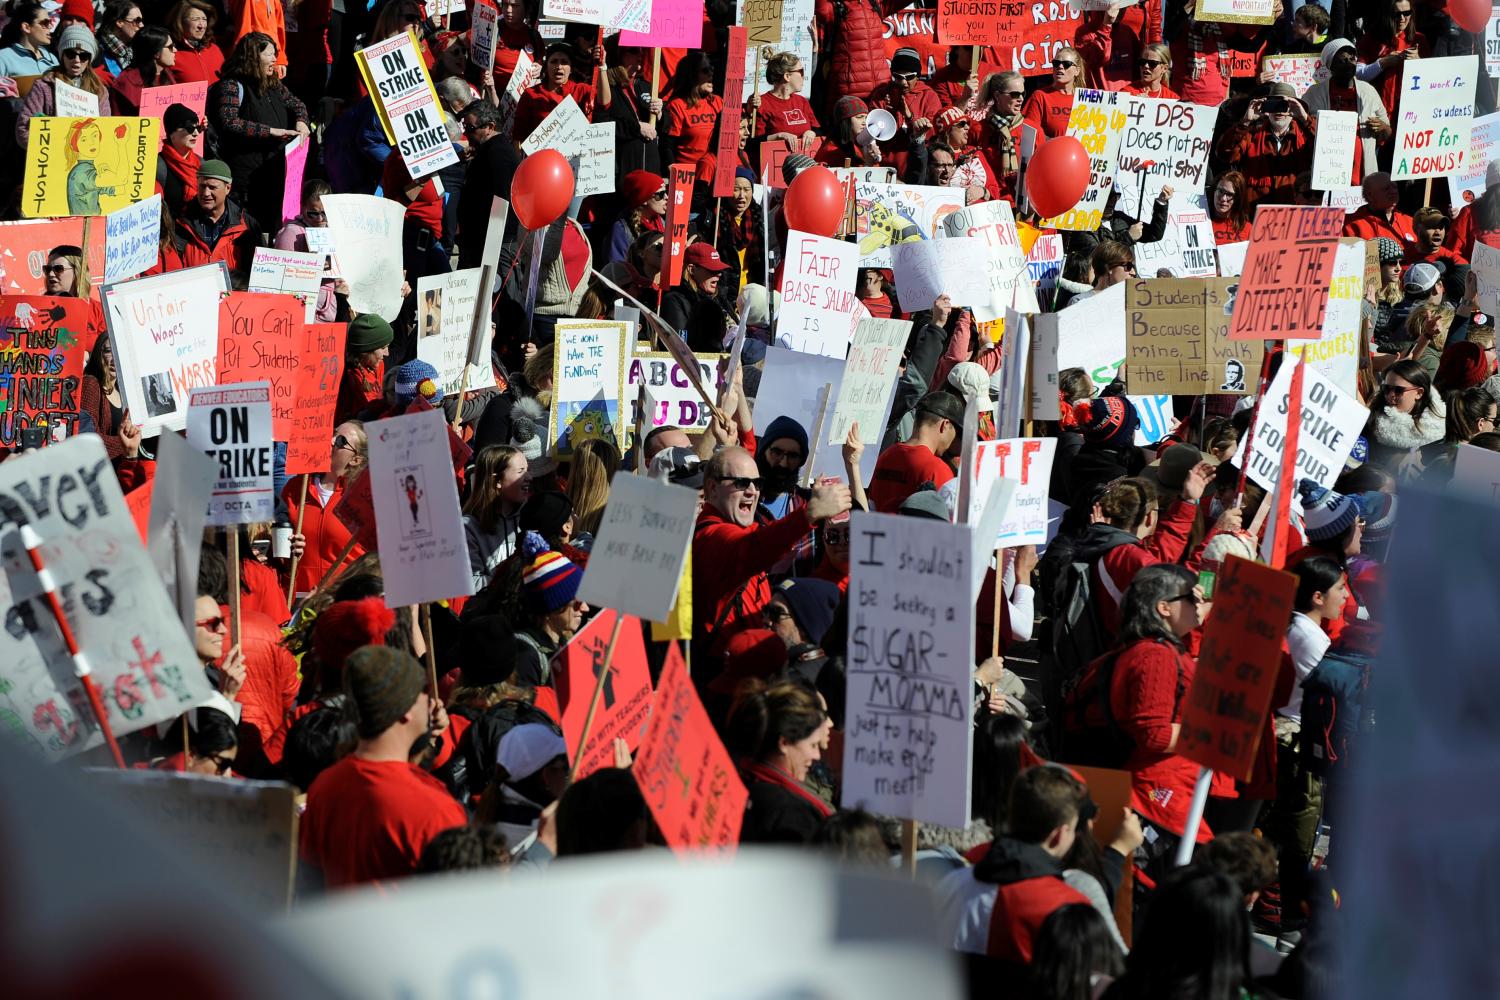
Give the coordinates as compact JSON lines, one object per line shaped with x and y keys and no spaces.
{"x":345,"y":626}
{"x":81,"y":9}
{"x":1462,"y":365}
{"x":638,"y":186}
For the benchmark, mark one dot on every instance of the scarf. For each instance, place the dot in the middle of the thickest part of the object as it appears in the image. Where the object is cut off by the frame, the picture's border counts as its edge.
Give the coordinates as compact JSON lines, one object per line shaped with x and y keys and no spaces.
{"x":117,"y":48}
{"x":185,"y":166}
{"x":776,"y":776}
{"x":1198,"y":41}
{"x":1009,"y":160}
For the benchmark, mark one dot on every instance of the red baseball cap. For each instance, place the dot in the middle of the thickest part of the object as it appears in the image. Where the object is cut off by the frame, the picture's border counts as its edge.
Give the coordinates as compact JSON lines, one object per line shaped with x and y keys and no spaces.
{"x":706,"y":257}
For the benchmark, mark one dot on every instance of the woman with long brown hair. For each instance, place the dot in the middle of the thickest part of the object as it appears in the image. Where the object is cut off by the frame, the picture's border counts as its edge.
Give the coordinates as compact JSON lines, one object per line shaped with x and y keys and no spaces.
{"x":595,"y":463}
{"x":254,"y":115}
{"x":153,"y":55}
{"x":191,"y":24}
{"x":1229,"y":208}
{"x":499,"y":487}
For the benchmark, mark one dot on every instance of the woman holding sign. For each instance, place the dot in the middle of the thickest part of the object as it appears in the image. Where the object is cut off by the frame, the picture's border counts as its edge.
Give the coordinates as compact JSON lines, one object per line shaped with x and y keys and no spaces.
{"x":325,"y":535}
{"x":254,"y":114}
{"x":77,"y":49}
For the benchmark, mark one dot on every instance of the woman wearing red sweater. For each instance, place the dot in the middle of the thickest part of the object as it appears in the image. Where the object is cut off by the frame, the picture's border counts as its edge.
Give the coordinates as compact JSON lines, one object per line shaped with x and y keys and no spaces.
{"x":199,"y":58}
{"x":1390,"y":38}
{"x":1153,"y":67}
{"x":1048,"y":109}
{"x":1229,"y":208}
{"x":557,"y":85}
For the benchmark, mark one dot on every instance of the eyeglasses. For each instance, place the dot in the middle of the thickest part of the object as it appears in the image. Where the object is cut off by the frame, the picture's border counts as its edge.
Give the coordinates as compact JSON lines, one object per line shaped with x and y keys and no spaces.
{"x":781,"y":454}
{"x":837,"y":536}
{"x":313,"y":213}
{"x":57,"y":268}
{"x":1399,"y":390}
{"x":1152,"y":63}
{"x":1224,"y":192}
{"x":740,"y":482}
{"x":1486,"y":420}
{"x":221,"y":763}
{"x":1063,"y":64}
{"x":214,"y":624}
{"x":775,"y":613}
{"x":171,"y":45}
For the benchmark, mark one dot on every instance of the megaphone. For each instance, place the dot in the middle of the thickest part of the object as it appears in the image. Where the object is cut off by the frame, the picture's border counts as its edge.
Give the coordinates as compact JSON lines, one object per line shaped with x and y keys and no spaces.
{"x":881,"y":124}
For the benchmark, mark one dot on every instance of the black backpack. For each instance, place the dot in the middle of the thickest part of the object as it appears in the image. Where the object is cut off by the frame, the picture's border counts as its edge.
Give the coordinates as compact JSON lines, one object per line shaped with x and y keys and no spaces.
{"x":1090,"y":735}
{"x":472,"y":767}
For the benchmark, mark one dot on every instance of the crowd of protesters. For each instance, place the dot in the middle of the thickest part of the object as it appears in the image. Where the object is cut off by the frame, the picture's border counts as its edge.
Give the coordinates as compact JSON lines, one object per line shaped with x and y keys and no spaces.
{"x":400,"y":779}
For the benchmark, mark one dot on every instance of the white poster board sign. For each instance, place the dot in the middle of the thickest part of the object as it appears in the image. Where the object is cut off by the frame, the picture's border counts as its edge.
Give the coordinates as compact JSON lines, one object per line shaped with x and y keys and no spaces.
{"x":1331,"y":422}
{"x":908,"y":748}
{"x":1485,"y":263}
{"x":1333,"y":154}
{"x":404,"y":91}
{"x":791,"y":385}
{"x":1091,"y":335}
{"x":1028,"y":461}
{"x":817,"y":295}
{"x":1186,"y":249}
{"x":796,"y":36}
{"x":1484,"y":145}
{"x":1005,"y":265}
{"x":864,"y":395}
{"x":613,"y":15}
{"x":635,"y":565}
{"x":588,"y":379}
{"x":888,"y":214}
{"x":927,"y":269}
{"x":1165,"y":143}
{"x":484,"y":28}
{"x":445,"y":317}
{"x":132,"y":240}
{"x":73,"y":102}
{"x":367,"y":232}
{"x":232,"y":426}
{"x":673,"y":400}
{"x":417,"y":520}
{"x":1433,"y":128}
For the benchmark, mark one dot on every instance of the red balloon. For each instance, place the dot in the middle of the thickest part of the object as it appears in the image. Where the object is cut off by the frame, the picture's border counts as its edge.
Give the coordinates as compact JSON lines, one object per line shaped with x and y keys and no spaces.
{"x":814,"y":202}
{"x":1470,"y":15}
{"x":542,"y":189}
{"x":1058,"y":176}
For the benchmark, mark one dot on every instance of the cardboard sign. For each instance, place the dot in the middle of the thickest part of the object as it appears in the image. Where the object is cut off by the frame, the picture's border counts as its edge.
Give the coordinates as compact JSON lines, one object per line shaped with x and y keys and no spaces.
{"x":791,"y":385}
{"x":395,"y":75}
{"x":73,"y":102}
{"x":520,"y":79}
{"x":1186,"y":249}
{"x":233,"y":427}
{"x":888,"y":214}
{"x":290,"y":271}
{"x":1177,"y":338}
{"x":1165,"y":143}
{"x":41,"y":365}
{"x":295,"y":152}
{"x":165,"y":333}
{"x":258,"y":338}
{"x":244,"y":831}
{"x":445,"y":318}
{"x":180,"y":491}
{"x":726,"y":157}
{"x":24,"y":246}
{"x":1224,"y":711}
{"x":588,"y":382}
{"x":864,"y":395}
{"x":674,"y":24}
{"x":143,"y":661}
{"x":156,"y":100}
{"x":367,"y":231}
{"x":1236,"y":11}
{"x":133,"y":239}
{"x":1336,"y":354}
{"x":817,"y":294}
{"x":1098,"y":121}
{"x":679,"y":208}
{"x":972,"y":22}
{"x":927,"y":269}
{"x":1091,"y":334}
{"x":626,"y":702}
{"x":484,"y":28}
{"x":1467,"y":183}
{"x":1333,"y":155}
{"x":1113,"y":792}
{"x":88,"y":166}
{"x":320,"y":367}
{"x":1027,"y":462}
{"x":1283,"y":294}
{"x":1297,"y":71}
{"x":616,"y":14}
{"x":689,"y":782}
{"x":1436,"y":117}
{"x":781,"y":26}
{"x":1005,"y":266}
{"x":636,"y":561}
{"x":908,"y":748}
{"x":417,"y":519}
{"x":673,"y":400}
{"x":1331,"y":422}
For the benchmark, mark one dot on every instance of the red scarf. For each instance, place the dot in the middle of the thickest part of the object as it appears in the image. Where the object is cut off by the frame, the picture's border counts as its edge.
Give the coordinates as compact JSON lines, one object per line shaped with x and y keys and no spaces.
{"x":185,"y":166}
{"x":776,"y":776}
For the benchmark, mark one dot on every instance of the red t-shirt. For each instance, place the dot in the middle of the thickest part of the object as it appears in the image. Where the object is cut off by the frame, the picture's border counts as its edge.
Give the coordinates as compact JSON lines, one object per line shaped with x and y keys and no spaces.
{"x":693,"y":127}
{"x":538,"y":102}
{"x":1048,"y":110}
{"x":901,"y":470}
{"x":368,"y":821}
{"x":793,"y":115}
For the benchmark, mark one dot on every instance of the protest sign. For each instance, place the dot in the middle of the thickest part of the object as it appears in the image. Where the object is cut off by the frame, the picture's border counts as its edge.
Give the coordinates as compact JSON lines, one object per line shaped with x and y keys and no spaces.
{"x":1485,"y":261}
{"x":88,"y":166}
{"x":1283,"y":291}
{"x":1005,"y":266}
{"x":1015,"y":364}
{"x":445,"y":318}
{"x":180,"y":491}
{"x":726,"y":158}
{"x":357,"y":511}
{"x":484,"y":28}
{"x":244,"y":831}
{"x":985,"y":517}
{"x":864,"y":395}
{"x":143,"y":663}
{"x":1165,"y":143}
{"x":927,"y":269}
{"x":418,"y":525}
{"x":817,"y":294}
{"x":41,"y":366}
{"x":634,"y":15}
{"x":674,"y":24}
{"x":258,"y":339}
{"x":1335,"y":355}
{"x":367,"y":232}
{"x":1349,"y":199}
{"x":1476,"y":472}
{"x":1028,"y":36}
{"x":1331,"y":421}
{"x":593,"y":160}
{"x":908,"y":751}
{"x":636,"y":561}
{"x":156,"y":100}
{"x":778,"y":26}
{"x":561,"y":128}
{"x":165,"y":332}
{"x":970,"y":22}
{"x":679,"y":210}
{"x":1467,"y":183}
{"x":674,"y":401}
{"x":1224,"y":712}
{"x":25,"y":243}
{"x":395,"y":76}
{"x":791,"y":385}
{"x":1492,"y":44}
{"x":1044,"y":260}
{"x":1155,"y":419}
{"x":290,"y":271}
{"x":1027,"y":461}
{"x":1112,"y":793}
{"x":132,"y":239}
{"x":1091,"y":334}
{"x":138,"y":501}
{"x":762,"y":21}
{"x":686,"y":776}
{"x":887,"y":214}
{"x":73,"y":102}
{"x":1236,"y":11}
{"x":1177,"y":339}
{"x":295,"y":152}
{"x":1297,"y":71}
{"x":1333,"y":156}
{"x":1232,"y":259}
{"x":520,"y":79}
{"x":1436,"y":117}
{"x":1043,"y":402}
{"x":626,"y":702}
{"x":1098,"y":121}
{"x":588,"y":379}
{"x":232,"y":426}
{"x":1186,"y":249}
{"x":320,"y":367}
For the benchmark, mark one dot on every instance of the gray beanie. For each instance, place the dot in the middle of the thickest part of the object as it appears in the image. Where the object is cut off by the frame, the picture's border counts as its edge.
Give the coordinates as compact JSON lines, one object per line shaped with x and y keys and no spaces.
{"x":78,"y":36}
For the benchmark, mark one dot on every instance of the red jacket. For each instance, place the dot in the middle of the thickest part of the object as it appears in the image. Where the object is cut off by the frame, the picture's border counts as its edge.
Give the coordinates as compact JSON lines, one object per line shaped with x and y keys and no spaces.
{"x":1114,"y":571}
{"x":270,"y":688}
{"x":1270,"y":169}
{"x":1368,"y":224}
{"x":853,"y":42}
{"x":1462,"y":235}
{"x":1028,"y":887}
{"x":921,"y":102}
{"x":1109,"y":50}
{"x":326,"y":534}
{"x":267,"y":593}
{"x":730,"y":563}
{"x":189,"y":247}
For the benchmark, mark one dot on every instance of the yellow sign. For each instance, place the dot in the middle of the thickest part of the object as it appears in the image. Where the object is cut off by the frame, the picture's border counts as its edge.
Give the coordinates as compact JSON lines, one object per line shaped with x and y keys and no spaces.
{"x":88,"y":166}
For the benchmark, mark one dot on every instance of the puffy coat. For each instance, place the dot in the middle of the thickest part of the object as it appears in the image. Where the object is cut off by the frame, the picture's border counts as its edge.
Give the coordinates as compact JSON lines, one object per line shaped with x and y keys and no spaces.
{"x":853,"y":40}
{"x":189,"y":247}
{"x":270,"y":688}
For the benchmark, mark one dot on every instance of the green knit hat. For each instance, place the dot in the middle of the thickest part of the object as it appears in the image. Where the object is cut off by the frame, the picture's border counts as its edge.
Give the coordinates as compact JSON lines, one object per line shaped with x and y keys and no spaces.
{"x":368,"y":333}
{"x":215,"y":170}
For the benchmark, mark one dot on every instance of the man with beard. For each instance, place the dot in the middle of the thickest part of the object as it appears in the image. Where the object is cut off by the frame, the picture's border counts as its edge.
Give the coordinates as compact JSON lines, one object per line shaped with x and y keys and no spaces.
{"x":780,"y":455}
{"x":1343,"y":92}
{"x":1271,"y":145}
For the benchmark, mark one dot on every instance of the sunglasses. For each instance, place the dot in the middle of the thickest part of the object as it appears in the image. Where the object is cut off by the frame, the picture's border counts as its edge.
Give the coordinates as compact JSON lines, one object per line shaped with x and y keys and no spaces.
{"x":740,"y":482}
{"x":1399,"y":390}
{"x":214,"y":624}
{"x":904,"y":77}
{"x":137,"y":21}
{"x":76,"y":54}
{"x":57,"y":268}
{"x":1063,"y":64}
{"x":1193,"y":596}
{"x":221,"y":763}
{"x":339,"y":441}
{"x":1012,"y":93}
{"x":313,"y":213}
{"x":191,"y":129}
{"x":660,"y":195}
{"x":1153,"y":63}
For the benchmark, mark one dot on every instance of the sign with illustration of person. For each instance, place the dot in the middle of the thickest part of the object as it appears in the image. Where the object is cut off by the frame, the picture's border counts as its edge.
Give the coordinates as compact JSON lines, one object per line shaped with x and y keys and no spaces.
{"x":88,"y":166}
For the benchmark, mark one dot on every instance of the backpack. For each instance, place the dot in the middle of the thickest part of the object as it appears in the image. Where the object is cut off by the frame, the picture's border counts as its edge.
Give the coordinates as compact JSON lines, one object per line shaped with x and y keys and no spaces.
{"x":472,"y":766}
{"x":1333,"y":695}
{"x":1090,"y":735}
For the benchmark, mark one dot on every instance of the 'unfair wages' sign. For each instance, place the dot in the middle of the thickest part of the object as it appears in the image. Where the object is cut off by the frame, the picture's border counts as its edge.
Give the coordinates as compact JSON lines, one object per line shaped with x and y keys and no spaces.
{"x":397,"y":79}
{"x":232,"y":425}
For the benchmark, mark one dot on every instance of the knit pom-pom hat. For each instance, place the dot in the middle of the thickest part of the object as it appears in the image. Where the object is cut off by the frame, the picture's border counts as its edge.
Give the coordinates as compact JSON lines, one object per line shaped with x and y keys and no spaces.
{"x":345,"y":626}
{"x":550,"y":580}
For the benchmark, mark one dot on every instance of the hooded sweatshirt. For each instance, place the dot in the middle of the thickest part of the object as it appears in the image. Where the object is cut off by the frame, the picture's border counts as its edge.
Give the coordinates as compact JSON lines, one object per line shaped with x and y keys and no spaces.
{"x":1117,"y":555}
{"x":998,"y":907}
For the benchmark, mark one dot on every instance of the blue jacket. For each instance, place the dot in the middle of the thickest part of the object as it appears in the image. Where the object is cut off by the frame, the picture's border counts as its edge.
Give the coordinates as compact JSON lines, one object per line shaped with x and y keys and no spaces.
{"x":1334,"y":701}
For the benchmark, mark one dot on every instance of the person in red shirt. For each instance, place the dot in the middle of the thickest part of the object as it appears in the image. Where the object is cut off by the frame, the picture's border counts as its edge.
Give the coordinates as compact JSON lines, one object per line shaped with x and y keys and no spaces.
{"x":366,"y":346}
{"x":557,"y":85}
{"x":904,"y":468}
{"x":998,"y":135}
{"x":1153,"y":67}
{"x":1378,"y":216}
{"x":692,"y":112}
{"x":1390,"y":38}
{"x":370,"y":815}
{"x":1271,"y":145}
{"x":874,"y":292}
{"x":1110,"y":42}
{"x":514,"y":37}
{"x":1048,"y":109}
{"x":1229,"y":209}
{"x":958,"y":83}
{"x":1430,"y":226}
{"x":782,"y":112}
{"x":325,"y":535}
{"x":914,"y":104}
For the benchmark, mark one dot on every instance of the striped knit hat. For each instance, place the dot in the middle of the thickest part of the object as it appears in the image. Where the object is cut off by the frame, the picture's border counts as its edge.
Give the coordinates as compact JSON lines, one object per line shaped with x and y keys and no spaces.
{"x":550,"y":580}
{"x":418,"y":378}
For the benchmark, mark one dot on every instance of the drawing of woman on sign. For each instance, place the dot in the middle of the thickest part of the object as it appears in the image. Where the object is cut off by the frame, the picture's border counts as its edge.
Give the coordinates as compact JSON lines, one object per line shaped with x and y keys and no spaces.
{"x":89,"y":176}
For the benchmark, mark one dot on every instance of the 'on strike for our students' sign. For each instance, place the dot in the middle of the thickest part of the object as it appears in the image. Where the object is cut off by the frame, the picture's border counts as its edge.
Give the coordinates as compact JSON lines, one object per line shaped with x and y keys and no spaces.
{"x":1283,"y":290}
{"x":1331,"y":421}
{"x":911,"y":662}
{"x":232,"y":426}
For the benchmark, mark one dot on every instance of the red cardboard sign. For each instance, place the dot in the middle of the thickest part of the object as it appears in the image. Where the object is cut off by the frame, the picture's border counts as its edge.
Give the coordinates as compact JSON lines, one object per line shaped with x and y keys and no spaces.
{"x":626,"y":702}
{"x":773,"y":153}
{"x":41,"y":363}
{"x":679,"y":206}
{"x":138,"y":501}
{"x":357,"y":512}
{"x":1224,"y":713}
{"x":320,"y":367}
{"x":1028,"y":35}
{"x":24,"y":246}
{"x":687,"y":777}
{"x":259,"y":333}
{"x":727,"y":155}
{"x":1283,"y":290}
